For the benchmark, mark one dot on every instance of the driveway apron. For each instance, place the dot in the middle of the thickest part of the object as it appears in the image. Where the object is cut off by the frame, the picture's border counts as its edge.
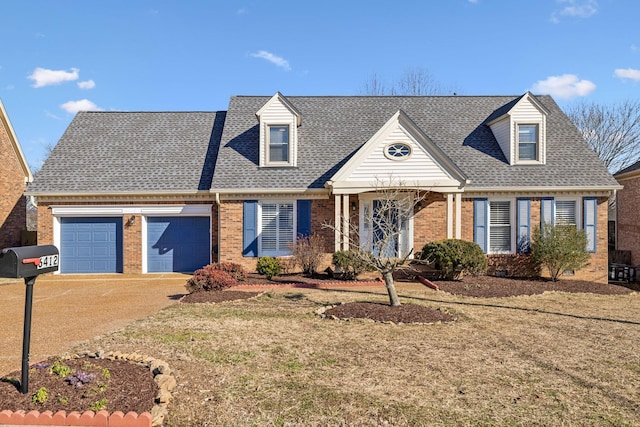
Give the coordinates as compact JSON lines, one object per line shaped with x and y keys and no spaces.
{"x":70,"y":309}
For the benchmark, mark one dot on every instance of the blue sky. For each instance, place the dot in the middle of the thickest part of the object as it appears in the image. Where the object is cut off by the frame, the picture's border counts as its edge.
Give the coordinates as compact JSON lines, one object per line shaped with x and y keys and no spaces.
{"x":62,"y":56}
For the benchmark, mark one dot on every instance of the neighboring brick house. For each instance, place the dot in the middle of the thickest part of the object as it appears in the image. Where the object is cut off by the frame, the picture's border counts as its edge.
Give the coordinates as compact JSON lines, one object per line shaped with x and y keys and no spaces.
{"x":13,"y":182}
{"x":136,"y":192}
{"x":628,"y":212}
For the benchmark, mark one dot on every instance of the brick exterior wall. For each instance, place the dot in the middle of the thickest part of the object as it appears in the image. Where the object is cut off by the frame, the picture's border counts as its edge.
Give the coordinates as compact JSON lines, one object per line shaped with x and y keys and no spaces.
{"x":430,"y":220}
{"x":517,"y":265}
{"x":628,"y":218}
{"x":13,"y":204}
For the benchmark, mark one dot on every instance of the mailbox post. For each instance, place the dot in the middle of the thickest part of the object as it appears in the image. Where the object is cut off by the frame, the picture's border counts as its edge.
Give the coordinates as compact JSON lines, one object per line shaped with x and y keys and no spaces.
{"x":28,"y":262}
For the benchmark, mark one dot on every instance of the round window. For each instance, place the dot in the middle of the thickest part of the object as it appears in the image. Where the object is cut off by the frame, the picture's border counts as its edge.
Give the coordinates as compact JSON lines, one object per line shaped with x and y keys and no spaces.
{"x":397,"y":151}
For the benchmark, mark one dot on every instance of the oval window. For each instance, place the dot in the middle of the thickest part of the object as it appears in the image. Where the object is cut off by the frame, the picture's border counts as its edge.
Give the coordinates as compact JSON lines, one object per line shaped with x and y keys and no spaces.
{"x":397,"y":151}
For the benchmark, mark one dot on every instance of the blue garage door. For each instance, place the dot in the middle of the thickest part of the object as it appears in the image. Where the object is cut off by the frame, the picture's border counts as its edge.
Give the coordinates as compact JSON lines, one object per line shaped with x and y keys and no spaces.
{"x":179,"y":244}
{"x":91,"y":245}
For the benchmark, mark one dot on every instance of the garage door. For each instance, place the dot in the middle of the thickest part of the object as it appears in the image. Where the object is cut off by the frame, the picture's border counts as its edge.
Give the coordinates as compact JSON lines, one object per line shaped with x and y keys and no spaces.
{"x":91,"y":245}
{"x":179,"y":244}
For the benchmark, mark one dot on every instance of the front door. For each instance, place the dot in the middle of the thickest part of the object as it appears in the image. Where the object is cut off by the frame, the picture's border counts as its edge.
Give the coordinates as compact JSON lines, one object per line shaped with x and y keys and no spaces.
{"x":386,"y":227}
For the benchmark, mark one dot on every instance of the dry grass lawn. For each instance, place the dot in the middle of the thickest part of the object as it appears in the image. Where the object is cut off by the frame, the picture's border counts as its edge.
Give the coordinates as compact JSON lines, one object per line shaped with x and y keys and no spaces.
{"x":551,"y":359}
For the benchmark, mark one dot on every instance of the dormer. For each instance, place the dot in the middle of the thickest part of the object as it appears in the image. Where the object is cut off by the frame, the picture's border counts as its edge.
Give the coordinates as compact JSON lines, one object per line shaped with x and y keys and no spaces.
{"x":279,"y":122}
{"x":521,"y":132}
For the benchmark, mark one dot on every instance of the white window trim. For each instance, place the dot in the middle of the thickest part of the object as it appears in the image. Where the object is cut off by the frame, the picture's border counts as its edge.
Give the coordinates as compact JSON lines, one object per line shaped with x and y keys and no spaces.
{"x":261,"y":252}
{"x":266,"y":135}
{"x":539,"y":143}
{"x":512,"y":223}
{"x":579,"y":207}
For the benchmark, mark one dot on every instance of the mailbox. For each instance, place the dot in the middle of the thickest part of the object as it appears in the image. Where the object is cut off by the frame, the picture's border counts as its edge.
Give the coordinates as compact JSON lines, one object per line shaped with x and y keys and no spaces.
{"x":28,"y":261}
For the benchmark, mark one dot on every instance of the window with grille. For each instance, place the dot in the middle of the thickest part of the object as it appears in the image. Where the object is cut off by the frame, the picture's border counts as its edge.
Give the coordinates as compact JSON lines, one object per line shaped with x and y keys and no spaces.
{"x":499,"y":226}
{"x":277,"y":229}
{"x":279,"y":144}
{"x":527,"y":142}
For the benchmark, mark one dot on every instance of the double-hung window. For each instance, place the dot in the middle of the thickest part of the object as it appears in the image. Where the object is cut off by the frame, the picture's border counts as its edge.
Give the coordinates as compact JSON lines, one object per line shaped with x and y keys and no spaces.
{"x":566,"y":212}
{"x":528,"y":142}
{"x":279,"y":144}
{"x":499,"y":226}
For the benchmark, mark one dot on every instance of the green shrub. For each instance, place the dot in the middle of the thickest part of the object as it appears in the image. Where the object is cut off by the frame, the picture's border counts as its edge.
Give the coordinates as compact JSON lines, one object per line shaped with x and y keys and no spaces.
{"x":352,"y":262}
{"x":559,"y":248}
{"x":268,"y":267}
{"x":455,"y":257}
{"x":40,"y":396}
{"x":308,"y":252}
{"x":210,"y":278}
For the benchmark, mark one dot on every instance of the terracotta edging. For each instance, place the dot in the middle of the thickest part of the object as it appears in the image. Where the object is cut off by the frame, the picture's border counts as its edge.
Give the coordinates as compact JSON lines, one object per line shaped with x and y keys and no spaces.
{"x":162,"y":376}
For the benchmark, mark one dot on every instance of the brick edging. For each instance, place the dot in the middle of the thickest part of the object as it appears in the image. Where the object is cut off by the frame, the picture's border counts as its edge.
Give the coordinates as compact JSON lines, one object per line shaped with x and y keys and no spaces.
{"x":162,"y":375}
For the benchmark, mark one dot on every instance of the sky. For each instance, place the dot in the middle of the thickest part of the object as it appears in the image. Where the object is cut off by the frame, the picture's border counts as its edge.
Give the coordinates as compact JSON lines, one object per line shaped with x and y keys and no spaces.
{"x":59,"y":57}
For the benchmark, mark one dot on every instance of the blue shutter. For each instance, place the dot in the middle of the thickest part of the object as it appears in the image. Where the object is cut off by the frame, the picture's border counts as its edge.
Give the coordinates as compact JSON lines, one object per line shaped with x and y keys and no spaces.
{"x":304,"y":218}
{"x":524,"y":226}
{"x":547,"y":214}
{"x":250,"y":229}
{"x":480,"y":222}
{"x":590,"y":221}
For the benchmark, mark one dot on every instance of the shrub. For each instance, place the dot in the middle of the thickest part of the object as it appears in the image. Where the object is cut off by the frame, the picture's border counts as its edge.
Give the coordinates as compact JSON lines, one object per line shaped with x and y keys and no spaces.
{"x":268,"y":267}
{"x":210,"y":278}
{"x":352,"y":262}
{"x":559,"y":248}
{"x":307,"y":252}
{"x":235,"y":270}
{"x":455,"y":257}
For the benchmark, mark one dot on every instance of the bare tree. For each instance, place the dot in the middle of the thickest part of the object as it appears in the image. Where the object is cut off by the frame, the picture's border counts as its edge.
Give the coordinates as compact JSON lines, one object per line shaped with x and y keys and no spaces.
{"x":378,"y":245}
{"x":417,"y":81}
{"x":612,"y":131}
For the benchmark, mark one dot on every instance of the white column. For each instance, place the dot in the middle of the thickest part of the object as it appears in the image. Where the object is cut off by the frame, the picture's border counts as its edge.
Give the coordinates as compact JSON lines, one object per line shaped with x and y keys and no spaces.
{"x":458,"y":216}
{"x":449,"y":216}
{"x":345,"y":222}
{"x":338,"y":223}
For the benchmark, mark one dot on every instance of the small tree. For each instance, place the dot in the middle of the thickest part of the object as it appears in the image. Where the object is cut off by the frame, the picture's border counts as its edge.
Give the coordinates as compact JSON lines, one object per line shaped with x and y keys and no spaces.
{"x":558,"y":248}
{"x":378,"y":249}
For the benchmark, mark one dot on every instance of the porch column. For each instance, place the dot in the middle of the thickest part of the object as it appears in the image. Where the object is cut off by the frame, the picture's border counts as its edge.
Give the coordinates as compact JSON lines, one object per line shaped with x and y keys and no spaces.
{"x":336,"y":233}
{"x":345,"y":222}
{"x":450,"y":216}
{"x":458,"y":216}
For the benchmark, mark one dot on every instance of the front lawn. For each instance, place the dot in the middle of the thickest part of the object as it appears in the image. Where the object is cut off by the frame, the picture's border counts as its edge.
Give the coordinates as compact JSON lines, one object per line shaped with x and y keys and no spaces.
{"x":550,"y":359}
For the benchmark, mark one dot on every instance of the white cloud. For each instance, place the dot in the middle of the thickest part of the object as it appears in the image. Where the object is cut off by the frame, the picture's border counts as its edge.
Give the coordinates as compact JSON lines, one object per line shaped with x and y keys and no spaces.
{"x":575,"y":8}
{"x":44,"y":77}
{"x":89,"y":84}
{"x":628,"y":73}
{"x":565,"y":86}
{"x":274,"y":59}
{"x":73,"y":107}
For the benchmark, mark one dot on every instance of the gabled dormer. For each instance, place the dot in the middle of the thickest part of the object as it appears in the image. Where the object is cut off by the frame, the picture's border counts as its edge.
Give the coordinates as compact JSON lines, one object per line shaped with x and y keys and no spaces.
{"x":279,"y":122}
{"x":521,"y":131}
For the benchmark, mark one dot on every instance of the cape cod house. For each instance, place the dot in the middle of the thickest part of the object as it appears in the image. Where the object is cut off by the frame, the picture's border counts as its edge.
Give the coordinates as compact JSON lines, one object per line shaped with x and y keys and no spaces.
{"x":143,"y":192}
{"x":13,"y":182}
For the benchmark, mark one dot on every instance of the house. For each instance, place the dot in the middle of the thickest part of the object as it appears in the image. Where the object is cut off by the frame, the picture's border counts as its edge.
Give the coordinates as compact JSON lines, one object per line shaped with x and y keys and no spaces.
{"x":627,"y":213}
{"x":151,"y":192}
{"x":13,"y":182}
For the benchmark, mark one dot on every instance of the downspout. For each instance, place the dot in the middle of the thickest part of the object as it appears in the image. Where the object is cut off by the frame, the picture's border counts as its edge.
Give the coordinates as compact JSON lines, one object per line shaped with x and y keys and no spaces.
{"x":218,"y":230}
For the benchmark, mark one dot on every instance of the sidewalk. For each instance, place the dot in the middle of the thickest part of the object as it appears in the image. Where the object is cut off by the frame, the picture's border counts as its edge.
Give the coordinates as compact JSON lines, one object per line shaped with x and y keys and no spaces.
{"x":72,"y":308}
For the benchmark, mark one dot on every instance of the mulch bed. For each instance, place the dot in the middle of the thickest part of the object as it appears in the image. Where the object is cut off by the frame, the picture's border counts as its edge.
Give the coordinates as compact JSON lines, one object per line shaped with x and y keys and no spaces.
{"x":130,"y":387}
{"x":217,"y":296}
{"x":405,"y":313}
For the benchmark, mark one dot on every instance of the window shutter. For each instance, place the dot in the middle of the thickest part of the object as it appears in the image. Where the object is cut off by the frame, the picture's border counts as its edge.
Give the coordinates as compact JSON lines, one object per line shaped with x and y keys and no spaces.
{"x":480,"y":223}
{"x":546,"y":211}
{"x":524,"y":226}
{"x":304,"y":218}
{"x":250,"y":228}
{"x":590,"y":221}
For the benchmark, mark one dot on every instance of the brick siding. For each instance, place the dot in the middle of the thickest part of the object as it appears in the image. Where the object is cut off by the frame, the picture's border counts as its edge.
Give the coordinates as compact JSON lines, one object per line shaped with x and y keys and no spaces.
{"x":628,"y":218}
{"x":13,"y":204}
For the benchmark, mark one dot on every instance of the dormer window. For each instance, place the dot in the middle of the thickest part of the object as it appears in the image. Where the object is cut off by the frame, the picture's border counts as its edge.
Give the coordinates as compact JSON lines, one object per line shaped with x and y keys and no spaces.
{"x":528,"y":142}
{"x":279,"y":144}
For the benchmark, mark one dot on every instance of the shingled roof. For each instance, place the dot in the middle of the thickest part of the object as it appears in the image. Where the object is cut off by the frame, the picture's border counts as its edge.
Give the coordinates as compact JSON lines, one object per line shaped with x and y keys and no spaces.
{"x":333,"y":128}
{"x":129,"y":152}
{"x":111,"y":152}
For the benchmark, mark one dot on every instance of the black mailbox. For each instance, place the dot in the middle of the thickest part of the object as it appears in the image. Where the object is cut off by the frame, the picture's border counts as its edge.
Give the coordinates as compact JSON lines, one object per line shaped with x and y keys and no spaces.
{"x":28,"y":261}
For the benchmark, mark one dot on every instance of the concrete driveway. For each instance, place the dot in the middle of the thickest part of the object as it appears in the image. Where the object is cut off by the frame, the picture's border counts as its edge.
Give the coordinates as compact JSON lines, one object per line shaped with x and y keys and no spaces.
{"x":70,"y":309}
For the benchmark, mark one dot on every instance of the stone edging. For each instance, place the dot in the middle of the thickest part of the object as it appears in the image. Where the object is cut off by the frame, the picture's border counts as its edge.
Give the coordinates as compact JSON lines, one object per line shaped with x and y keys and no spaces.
{"x":162,"y":375}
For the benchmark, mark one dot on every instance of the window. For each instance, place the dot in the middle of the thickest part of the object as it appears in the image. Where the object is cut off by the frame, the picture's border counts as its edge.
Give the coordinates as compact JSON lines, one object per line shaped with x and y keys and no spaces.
{"x":566,"y":212}
{"x":499,"y":226}
{"x":279,"y":144}
{"x":397,"y":151}
{"x":277,"y":229}
{"x":527,"y":142}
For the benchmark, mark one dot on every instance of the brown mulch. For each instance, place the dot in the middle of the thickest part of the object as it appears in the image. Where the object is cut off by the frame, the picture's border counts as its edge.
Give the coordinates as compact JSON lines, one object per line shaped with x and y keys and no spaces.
{"x":129,"y":387}
{"x":217,"y":296}
{"x":405,"y":313}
